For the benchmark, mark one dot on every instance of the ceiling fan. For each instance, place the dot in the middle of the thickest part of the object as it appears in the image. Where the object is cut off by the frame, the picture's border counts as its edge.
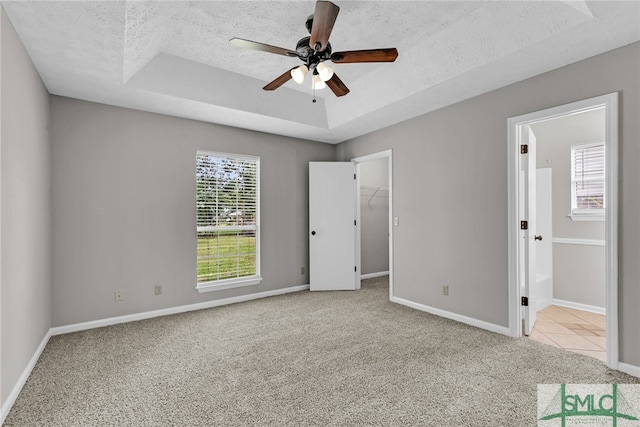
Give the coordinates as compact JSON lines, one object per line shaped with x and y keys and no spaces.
{"x":315,"y":49}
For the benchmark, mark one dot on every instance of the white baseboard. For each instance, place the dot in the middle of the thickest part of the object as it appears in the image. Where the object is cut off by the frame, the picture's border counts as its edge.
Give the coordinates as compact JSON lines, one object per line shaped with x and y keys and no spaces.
{"x":588,"y":242}
{"x":503,"y":330}
{"x":372,"y":275}
{"x":13,"y":395}
{"x":578,"y":306}
{"x":59,"y":330}
{"x":629,"y":369}
{"x":622,"y":367}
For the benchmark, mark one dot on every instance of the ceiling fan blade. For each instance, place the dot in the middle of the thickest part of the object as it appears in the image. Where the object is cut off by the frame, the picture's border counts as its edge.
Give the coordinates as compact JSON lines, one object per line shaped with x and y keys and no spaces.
{"x":371,"y":55}
{"x":248,"y":44}
{"x":279,"y":81}
{"x":336,"y":85}
{"x":323,"y":20}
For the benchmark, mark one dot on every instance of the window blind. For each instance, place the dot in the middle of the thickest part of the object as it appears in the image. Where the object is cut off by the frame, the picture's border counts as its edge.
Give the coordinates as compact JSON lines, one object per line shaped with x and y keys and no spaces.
{"x":227,"y":216}
{"x":588,"y":179}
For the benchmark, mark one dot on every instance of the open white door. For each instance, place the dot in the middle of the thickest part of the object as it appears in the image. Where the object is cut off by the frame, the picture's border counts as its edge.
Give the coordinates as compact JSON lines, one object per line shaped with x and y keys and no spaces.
{"x":332,"y":204}
{"x":544,"y":247}
{"x":529,"y":167}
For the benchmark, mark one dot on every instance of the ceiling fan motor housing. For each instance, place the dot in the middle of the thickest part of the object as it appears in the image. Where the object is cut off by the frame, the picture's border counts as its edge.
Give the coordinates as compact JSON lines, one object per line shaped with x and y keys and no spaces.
{"x":308,"y":55}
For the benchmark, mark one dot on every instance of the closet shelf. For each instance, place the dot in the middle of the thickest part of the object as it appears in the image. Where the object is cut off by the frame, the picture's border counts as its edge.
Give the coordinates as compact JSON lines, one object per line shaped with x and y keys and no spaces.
{"x":373,"y":188}
{"x":375,"y":191}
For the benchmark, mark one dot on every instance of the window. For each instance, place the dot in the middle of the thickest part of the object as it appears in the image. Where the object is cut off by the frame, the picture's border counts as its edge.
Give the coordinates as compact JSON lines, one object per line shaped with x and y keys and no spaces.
{"x":587,"y":182}
{"x":228,"y":220}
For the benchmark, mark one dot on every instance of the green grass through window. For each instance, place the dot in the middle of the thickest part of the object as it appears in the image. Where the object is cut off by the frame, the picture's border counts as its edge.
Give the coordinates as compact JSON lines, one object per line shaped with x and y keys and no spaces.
{"x":226,"y":256}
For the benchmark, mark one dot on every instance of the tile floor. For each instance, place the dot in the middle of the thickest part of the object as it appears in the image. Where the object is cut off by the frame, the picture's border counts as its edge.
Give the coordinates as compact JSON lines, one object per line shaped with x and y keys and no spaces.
{"x":574,"y":330}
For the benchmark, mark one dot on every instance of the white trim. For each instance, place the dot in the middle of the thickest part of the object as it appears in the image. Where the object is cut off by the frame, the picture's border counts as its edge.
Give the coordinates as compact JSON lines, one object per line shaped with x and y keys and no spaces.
{"x":372,"y":275}
{"x":13,"y":395}
{"x":248,"y":157}
{"x":17,"y":388}
{"x":579,"y":306}
{"x":492,"y":327}
{"x":586,"y":217}
{"x":611,"y":228}
{"x":629,"y":369}
{"x":610,"y":102}
{"x":59,"y":330}
{"x":227,"y":228}
{"x":513,"y":227}
{"x":3,"y":412}
{"x":219,"y":285}
{"x":587,"y":242}
{"x":388,"y":154}
{"x":358,"y":236}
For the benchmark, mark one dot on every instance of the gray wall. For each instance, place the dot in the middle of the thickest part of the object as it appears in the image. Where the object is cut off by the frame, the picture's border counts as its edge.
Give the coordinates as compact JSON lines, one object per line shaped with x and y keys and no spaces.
{"x":25,"y":279}
{"x":578,"y":270}
{"x":374,"y":216}
{"x":124,"y":208}
{"x":579,"y":274}
{"x":450,"y":191}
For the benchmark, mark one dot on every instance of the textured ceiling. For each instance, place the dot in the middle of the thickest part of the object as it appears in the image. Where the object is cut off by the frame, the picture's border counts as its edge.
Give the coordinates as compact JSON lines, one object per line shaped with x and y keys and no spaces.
{"x":174,"y":57}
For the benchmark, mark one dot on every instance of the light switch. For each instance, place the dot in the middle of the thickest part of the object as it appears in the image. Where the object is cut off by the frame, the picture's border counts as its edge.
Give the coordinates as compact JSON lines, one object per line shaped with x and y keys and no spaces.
{"x":396,"y":221}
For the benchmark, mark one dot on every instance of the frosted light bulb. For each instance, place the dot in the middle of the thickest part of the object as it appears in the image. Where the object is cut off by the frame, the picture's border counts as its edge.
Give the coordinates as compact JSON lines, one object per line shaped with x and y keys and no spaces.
{"x":324,"y":71}
{"x":317,"y":83}
{"x":298,"y":74}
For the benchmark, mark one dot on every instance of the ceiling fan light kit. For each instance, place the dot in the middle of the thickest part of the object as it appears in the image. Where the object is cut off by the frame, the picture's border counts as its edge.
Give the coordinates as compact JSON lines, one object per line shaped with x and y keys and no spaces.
{"x":315,"y":49}
{"x":325,"y":71}
{"x":299,"y":73}
{"x":317,"y":83}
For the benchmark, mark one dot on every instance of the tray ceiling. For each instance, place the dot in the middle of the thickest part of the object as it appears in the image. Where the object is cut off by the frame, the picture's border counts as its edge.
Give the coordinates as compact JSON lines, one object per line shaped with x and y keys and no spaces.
{"x":174,"y":57}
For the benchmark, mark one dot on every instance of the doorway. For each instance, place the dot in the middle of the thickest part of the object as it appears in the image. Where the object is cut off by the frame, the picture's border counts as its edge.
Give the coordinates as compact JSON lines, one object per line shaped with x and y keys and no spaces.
{"x":374,"y":216}
{"x":527,"y":296}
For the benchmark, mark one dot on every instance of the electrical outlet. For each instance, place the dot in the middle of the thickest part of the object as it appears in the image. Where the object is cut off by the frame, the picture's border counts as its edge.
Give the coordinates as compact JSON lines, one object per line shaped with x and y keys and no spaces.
{"x":445,"y":290}
{"x":302,"y":270}
{"x":119,"y":295}
{"x":158,"y":290}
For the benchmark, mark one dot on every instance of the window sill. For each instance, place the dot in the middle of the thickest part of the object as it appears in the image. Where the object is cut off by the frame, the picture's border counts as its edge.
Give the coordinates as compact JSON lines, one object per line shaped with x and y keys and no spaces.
{"x":583,"y":217}
{"x":220,"y":285}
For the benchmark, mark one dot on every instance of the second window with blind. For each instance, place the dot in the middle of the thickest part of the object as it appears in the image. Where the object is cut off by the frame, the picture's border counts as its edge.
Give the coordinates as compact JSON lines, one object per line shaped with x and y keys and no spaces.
{"x":588,"y":198}
{"x":228,"y":220}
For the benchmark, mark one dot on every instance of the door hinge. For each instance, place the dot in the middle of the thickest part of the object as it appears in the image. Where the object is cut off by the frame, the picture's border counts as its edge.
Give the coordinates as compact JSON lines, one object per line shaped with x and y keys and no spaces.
{"x":354,"y":176}
{"x":355,"y":268}
{"x":525,"y":301}
{"x":354,"y":222}
{"x":524,"y":149}
{"x":524,"y":225}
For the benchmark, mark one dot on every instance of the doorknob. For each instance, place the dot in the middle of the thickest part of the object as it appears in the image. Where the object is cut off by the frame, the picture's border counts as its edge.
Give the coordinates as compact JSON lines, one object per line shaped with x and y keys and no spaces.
{"x":313,"y":233}
{"x":538,"y":238}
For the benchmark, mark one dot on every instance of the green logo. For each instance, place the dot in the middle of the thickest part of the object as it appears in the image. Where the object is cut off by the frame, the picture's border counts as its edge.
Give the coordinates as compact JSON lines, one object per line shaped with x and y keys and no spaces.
{"x":587,"y":404}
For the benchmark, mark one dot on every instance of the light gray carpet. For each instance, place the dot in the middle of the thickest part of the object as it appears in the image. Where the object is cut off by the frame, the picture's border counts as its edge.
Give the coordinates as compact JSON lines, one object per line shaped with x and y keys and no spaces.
{"x":331,"y":358}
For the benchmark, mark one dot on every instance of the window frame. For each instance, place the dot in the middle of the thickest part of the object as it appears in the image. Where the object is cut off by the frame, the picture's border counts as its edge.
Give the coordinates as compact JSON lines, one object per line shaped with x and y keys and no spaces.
{"x":236,"y":282}
{"x":589,"y":214}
